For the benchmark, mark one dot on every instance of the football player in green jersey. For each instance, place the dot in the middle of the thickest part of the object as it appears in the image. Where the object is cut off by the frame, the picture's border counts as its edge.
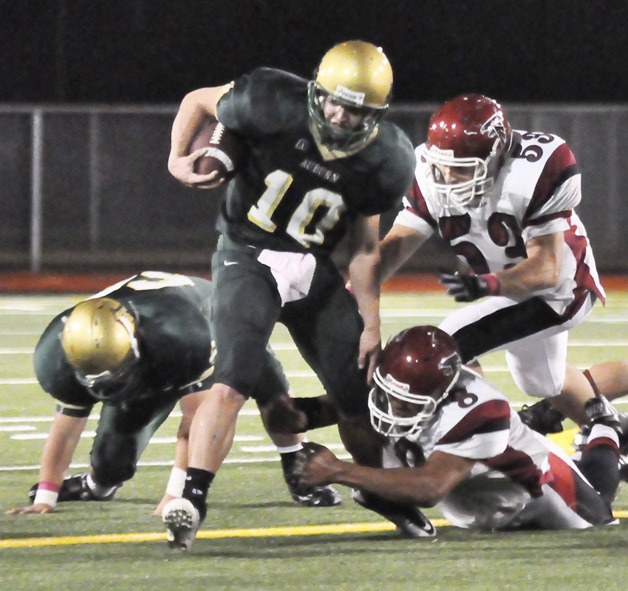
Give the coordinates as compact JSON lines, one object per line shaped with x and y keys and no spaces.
{"x":138,"y":347}
{"x":321,"y":164}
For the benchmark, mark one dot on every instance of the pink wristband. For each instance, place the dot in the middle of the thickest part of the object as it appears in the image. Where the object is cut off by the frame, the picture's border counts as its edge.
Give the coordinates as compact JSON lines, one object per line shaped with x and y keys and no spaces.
{"x":492,"y":283}
{"x":48,"y":486}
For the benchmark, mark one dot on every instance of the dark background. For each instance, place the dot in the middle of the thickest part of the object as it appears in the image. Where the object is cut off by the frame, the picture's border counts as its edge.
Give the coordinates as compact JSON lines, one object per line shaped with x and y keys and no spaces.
{"x":153,"y":51}
{"x":88,"y":89}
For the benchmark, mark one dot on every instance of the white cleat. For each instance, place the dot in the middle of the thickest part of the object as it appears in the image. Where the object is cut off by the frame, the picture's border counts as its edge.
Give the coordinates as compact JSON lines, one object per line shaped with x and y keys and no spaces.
{"x":410,"y":521}
{"x":182,"y":522}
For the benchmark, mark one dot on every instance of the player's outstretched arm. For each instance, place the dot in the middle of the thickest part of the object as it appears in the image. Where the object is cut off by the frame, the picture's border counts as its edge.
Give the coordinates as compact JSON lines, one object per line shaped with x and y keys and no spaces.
{"x":610,"y":378}
{"x":365,"y":287}
{"x":399,"y":244}
{"x":423,"y":485}
{"x":540,"y":270}
{"x":63,"y":437}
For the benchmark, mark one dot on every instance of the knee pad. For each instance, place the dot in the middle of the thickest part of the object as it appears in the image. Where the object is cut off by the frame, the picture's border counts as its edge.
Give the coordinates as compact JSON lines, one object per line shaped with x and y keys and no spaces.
{"x":111,"y":469}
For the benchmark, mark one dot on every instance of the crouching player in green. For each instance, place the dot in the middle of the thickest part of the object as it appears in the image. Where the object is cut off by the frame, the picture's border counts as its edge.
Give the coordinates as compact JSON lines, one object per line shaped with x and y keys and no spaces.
{"x":139,"y":347}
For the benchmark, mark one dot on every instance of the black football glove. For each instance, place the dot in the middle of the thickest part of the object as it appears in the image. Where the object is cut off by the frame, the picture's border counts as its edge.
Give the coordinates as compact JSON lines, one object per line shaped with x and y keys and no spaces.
{"x":467,"y":288}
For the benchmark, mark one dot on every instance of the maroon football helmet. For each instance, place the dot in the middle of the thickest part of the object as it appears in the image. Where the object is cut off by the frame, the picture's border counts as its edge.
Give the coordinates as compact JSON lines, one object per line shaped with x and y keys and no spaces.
{"x":416,"y":372}
{"x":467,"y":140}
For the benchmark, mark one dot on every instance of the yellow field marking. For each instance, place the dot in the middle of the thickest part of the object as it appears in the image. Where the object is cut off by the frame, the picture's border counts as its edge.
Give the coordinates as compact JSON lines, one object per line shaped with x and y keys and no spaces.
{"x":262,"y":532}
{"x":564,"y":439}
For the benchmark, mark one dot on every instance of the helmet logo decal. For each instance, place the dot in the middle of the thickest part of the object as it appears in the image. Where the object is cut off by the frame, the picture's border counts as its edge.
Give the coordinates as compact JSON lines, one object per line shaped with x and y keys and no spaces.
{"x":441,"y":152}
{"x":396,"y":383}
{"x":495,"y":127}
{"x":351,"y":96}
{"x":450,"y":365}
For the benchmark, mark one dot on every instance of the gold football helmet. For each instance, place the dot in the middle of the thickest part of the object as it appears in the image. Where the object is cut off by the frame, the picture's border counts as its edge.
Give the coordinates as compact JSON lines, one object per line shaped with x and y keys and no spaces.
{"x":99,"y":342}
{"x":358,"y":75}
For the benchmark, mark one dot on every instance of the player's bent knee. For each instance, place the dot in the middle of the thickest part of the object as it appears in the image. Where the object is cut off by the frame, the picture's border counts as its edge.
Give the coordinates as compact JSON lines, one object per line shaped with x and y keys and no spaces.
{"x":106,"y":474}
{"x":113,"y":466}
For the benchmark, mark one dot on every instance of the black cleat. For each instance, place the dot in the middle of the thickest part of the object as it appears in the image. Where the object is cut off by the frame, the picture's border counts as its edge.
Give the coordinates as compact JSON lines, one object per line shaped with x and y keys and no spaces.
{"x":409,"y":520}
{"x":312,"y":496}
{"x":75,"y":488}
{"x":542,"y":417}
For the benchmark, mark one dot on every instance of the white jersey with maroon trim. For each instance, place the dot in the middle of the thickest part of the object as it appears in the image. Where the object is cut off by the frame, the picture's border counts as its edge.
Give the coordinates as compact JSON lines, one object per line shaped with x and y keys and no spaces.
{"x":513,"y":462}
{"x":534,"y":194}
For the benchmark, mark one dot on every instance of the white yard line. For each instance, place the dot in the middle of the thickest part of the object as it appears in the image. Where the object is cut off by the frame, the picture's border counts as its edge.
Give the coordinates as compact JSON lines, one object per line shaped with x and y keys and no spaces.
{"x":229,"y":460}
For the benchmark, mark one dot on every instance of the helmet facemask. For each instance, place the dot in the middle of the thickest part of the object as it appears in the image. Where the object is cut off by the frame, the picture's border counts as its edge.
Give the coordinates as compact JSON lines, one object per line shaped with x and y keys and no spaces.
{"x":479,"y":175}
{"x":334,"y":136}
{"x":357,"y":76}
{"x":396,"y":412}
{"x":114,"y":386}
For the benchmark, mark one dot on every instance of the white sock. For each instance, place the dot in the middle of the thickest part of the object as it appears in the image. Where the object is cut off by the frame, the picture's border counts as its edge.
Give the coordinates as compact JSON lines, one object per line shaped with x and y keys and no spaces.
{"x":290,"y":448}
{"x":603,"y":431}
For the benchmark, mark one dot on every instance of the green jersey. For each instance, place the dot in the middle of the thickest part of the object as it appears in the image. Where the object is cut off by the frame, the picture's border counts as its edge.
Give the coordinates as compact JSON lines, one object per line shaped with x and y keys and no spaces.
{"x":291,"y":193}
{"x":173,"y":329}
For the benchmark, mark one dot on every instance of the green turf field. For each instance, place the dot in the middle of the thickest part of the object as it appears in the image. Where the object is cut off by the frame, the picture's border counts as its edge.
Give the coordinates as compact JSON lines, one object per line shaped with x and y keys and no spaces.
{"x":254,"y":537}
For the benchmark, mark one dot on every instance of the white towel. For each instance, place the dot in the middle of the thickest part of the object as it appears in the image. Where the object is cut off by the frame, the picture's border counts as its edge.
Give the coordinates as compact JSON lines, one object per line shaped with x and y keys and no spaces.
{"x":293,"y":272}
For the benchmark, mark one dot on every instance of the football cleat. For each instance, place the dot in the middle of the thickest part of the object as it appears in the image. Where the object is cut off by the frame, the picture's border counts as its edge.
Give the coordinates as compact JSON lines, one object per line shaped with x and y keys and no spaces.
{"x":410,"y":521}
{"x":182,"y":522}
{"x":75,"y":488}
{"x":310,"y":496}
{"x":314,"y":496}
{"x":542,"y":417}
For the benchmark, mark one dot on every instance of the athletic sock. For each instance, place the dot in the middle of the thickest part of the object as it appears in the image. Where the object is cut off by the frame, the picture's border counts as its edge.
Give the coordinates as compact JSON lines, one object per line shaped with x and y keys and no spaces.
{"x":197,"y":483}
{"x":600,"y":461}
{"x":288,"y":456}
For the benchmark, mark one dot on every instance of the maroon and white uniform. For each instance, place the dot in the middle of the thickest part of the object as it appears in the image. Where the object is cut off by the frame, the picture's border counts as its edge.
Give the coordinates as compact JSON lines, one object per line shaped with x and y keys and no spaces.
{"x":534,"y":194}
{"x":521,"y":478}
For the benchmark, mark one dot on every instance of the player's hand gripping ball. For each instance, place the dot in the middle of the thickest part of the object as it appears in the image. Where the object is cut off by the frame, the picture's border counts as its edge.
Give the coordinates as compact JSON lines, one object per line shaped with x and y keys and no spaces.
{"x":224,"y":150}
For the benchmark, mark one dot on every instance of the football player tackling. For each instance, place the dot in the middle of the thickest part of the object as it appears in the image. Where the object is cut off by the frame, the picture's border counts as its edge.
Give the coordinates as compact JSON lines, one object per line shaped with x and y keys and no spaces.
{"x":454,"y":442}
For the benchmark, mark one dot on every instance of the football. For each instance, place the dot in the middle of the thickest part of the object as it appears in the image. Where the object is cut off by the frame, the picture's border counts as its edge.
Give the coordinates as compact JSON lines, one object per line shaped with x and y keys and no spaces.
{"x":224,"y":149}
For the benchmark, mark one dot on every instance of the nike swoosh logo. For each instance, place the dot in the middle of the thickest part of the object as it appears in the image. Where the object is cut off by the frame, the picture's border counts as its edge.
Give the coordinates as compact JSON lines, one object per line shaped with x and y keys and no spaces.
{"x":229,"y":263}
